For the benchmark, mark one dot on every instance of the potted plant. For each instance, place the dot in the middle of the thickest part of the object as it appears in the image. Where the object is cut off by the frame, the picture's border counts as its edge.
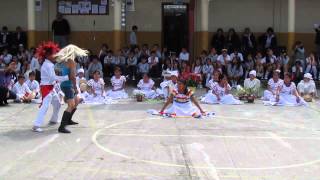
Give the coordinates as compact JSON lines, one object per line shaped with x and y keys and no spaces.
{"x":241,"y":93}
{"x":251,"y":94}
{"x":139,"y":97}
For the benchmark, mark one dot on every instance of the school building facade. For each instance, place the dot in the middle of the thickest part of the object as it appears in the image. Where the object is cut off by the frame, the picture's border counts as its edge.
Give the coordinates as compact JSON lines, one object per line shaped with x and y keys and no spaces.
{"x":189,"y":23}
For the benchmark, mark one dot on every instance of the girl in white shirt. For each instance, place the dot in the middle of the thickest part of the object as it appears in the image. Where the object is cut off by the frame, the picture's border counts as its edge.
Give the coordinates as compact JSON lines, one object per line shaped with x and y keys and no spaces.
{"x":33,"y":85}
{"x":273,"y":84}
{"x":287,"y":94}
{"x":96,"y":89}
{"x":118,"y":86}
{"x":146,"y":87}
{"x":219,"y":93}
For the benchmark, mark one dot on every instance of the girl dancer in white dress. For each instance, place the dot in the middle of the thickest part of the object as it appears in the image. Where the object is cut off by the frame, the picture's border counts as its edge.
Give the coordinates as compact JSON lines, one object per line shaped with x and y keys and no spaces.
{"x":182,"y":100}
{"x":96,"y":90}
{"x":146,"y":87}
{"x":169,"y":84}
{"x":118,"y":86}
{"x":273,"y":84}
{"x":219,"y":93}
{"x":287,"y":94}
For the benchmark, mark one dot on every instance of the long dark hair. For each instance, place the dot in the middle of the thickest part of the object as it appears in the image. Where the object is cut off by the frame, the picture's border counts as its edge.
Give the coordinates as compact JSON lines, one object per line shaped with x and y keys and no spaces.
{"x":184,"y":82}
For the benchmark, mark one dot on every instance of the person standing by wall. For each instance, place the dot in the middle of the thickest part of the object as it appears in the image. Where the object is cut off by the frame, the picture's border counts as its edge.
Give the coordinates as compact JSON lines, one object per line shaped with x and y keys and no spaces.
{"x":317,"y":41}
{"x":133,"y":37}
{"x":61,"y":30}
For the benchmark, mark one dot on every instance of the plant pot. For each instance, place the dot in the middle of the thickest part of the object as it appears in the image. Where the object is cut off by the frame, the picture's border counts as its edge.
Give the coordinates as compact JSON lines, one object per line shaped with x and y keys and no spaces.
{"x":250,"y":99}
{"x":139,"y":98}
{"x":242,"y":98}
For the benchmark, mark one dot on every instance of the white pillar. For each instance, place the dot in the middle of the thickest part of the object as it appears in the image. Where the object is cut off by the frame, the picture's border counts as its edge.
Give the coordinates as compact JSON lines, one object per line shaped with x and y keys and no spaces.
{"x":204,"y":15}
{"x":31,"y":22}
{"x":291,"y":15}
{"x":117,"y":14}
{"x":117,"y":25}
{"x":204,"y":25}
{"x":291,"y":23}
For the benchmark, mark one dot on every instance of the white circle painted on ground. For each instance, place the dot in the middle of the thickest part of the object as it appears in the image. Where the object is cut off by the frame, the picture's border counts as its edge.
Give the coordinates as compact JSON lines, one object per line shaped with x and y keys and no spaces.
{"x":159,"y":163}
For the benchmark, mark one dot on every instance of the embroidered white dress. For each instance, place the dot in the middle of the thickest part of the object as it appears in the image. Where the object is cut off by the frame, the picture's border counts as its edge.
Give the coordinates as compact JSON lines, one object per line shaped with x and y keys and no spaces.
{"x":182,"y":105}
{"x":165,"y":88}
{"x":268,"y":95}
{"x":99,"y":96}
{"x":117,"y":92}
{"x":287,"y":97}
{"x":146,"y":89}
{"x":215,"y":88}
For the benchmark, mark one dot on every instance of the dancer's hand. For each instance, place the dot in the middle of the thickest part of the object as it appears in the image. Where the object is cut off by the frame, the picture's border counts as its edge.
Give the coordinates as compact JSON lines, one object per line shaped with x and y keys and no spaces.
{"x":161,"y":113}
{"x":203,"y":112}
{"x":298,"y":99}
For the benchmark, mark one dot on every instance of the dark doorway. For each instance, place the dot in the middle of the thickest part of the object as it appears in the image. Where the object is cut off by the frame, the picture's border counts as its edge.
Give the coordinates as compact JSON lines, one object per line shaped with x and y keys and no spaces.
{"x":175,"y":27}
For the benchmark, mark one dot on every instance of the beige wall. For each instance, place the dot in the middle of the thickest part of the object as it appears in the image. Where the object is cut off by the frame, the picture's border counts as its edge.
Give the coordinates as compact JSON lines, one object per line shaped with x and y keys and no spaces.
{"x":256,"y":14}
{"x":13,"y":13}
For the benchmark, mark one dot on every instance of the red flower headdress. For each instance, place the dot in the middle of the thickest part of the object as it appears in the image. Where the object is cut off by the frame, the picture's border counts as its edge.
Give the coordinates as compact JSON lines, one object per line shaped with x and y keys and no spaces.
{"x":46,"y":49}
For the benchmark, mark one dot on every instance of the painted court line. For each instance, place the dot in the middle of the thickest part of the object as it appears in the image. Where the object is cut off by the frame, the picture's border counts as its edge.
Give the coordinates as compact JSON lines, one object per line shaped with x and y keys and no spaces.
{"x":8,"y":167}
{"x":280,"y":140}
{"x":168,"y":164}
{"x":211,"y":136}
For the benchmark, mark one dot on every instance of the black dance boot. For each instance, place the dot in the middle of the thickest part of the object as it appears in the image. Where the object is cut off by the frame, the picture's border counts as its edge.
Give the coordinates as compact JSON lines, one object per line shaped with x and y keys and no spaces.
{"x":64,"y":122}
{"x":71,"y":122}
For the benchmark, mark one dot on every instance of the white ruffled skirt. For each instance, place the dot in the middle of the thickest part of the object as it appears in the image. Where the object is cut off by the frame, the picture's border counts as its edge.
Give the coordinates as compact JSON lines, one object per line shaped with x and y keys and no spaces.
{"x":228,"y":99}
{"x":286,"y":100}
{"x":182,"y":109}
{"x":149,"y":94}
{"x":117,"y":94}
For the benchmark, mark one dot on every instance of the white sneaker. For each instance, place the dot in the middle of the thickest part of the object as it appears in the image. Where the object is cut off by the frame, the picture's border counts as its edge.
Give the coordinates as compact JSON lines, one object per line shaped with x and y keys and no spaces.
{"x":36,"y":129}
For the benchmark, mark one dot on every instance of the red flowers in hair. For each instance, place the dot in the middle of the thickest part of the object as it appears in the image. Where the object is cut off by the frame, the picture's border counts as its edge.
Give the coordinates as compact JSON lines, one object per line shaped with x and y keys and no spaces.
{"x":46,"y":49}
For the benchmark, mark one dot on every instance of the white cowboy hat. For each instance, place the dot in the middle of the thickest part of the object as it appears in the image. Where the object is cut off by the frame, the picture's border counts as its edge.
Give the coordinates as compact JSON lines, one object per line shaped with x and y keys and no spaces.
{"x":80,"y":70}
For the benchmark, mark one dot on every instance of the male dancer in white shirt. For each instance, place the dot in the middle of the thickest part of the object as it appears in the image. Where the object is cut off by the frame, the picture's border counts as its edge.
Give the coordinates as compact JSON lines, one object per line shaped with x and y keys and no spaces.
{"x":46,"y":52}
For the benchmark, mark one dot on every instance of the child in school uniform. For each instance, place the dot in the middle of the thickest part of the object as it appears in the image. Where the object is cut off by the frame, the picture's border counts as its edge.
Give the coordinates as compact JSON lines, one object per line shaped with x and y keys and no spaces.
{"x":118,"y":86}
{"x":143,"y":67}
{"x":207,"y":70}
{"x":197,"y":70}
{"x":220,"y":93}
{"x":273,"y":84}
{"x":82,"y":86}
{"x":34,"y":85}
{"x":146,"y":87}
{"x":287,"y":94}
{"x":24,"y":94}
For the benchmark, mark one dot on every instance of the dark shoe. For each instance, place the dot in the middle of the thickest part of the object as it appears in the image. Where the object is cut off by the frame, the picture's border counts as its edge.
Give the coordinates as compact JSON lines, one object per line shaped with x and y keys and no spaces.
{"x":71,"y":122}
{"x":64,"y":122}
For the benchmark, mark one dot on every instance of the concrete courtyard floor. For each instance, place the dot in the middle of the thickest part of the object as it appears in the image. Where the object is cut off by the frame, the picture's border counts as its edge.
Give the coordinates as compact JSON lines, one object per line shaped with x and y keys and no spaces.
{"x":122,"y":141}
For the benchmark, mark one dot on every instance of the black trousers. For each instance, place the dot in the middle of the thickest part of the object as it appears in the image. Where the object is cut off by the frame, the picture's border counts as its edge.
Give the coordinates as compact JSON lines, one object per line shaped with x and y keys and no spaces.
{"x":3,"y":95}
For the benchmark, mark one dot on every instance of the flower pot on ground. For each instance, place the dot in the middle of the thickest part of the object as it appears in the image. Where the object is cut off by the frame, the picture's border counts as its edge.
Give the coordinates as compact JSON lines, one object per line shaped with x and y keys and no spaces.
{"x":250,"y":99}
{"x":139,"y":97}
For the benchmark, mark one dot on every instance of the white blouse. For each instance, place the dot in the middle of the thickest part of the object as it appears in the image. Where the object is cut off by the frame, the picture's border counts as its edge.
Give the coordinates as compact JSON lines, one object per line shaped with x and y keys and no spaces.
{"x":118,"y":83}
{"x":288,"y":90}
{"x":274,"y":85}
{"x":221,"y":91}
{"x":97,"y":86}
{"x":146,"y":86}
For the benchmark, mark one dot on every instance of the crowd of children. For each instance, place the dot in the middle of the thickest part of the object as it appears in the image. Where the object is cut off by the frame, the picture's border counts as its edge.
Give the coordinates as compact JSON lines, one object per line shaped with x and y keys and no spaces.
{"x":229,"y":63}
